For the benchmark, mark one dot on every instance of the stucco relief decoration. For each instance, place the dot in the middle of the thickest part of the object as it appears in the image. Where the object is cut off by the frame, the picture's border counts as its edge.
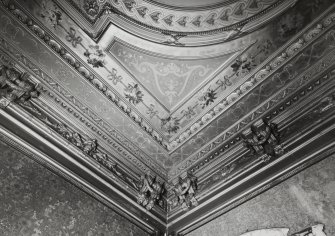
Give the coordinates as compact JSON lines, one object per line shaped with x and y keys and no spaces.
{"x":95,"y":56}
{"x":51,"y":14}
{"x":263,"y":138}
{"x":133,"y":93}
{"x":170,"y":124}
{"x":91,"y":7}
{"x":203,"y":21}
{"x":184,"y":192}
{"x":207,"y":97}
{"x":150,"y":192}
{"x":88,"y":146}
{"x":15,"y":86}
{"x":174,"y":39}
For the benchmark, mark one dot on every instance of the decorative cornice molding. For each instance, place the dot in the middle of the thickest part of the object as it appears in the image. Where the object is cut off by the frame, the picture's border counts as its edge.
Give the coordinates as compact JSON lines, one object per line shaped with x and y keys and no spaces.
{"x":229,"y":168}
{"x":266,"y":70}
{"x":317,"y":109}
{"x":263,"y":72}
{"x":62,"y":171}
{"x":97,"y":121}
{"x":252,"y":81}
{"x":19,"y":89}
{"x":85,"y":71}
{"x":265,"y":185}
{"x":288,"y":91}
{"x":150,"y":192}
{"x":184,"y":192}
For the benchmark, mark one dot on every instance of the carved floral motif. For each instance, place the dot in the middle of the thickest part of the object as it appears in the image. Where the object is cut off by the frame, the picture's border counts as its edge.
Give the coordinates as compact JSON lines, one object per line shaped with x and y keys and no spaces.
{"x":95,"y":56}
{"x":150,"y":192}
{"x":16,"y":87}
{"x":170,"y":124}
{"x":207,"y":97}
{"x":73,"y":38}
{"x":184,"y":192}
{"x":133,"y":94}
{"x":51,"y":14}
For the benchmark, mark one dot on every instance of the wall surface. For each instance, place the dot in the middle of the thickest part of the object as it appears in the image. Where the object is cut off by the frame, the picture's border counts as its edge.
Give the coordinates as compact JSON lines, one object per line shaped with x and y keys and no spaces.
{"x":34,"y":201}
{"x":301,"y":201}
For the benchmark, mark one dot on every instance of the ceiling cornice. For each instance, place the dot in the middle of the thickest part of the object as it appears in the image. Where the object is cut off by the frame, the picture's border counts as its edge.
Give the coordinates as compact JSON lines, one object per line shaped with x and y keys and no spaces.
{"x":296,"y":121}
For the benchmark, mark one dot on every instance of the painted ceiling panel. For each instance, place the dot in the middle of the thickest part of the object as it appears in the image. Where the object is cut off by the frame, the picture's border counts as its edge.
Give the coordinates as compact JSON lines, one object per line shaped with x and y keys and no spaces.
{"x":169,"y":79}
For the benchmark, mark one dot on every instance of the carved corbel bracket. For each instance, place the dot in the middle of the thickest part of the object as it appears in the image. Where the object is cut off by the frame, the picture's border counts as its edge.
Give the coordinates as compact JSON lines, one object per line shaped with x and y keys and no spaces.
{"x":263,"y":138}
{"x":16,"y":87}
{"x":184,"y":192}
{"x":150,"y":192}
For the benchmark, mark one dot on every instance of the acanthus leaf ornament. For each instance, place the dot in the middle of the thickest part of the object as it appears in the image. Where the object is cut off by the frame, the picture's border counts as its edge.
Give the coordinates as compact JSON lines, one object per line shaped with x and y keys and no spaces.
{"x":184,"y":192}
{"x":150,"y":192}
{"x":16,"y":87}
{"x":263,"y":138}
{"x":88,"y":146}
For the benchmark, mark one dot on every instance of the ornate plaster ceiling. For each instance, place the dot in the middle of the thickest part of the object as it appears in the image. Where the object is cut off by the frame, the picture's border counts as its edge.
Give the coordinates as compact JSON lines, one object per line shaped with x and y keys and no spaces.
{"x":190,"y":4}
{"x":172,"y":99}
{"x":204,"y":24}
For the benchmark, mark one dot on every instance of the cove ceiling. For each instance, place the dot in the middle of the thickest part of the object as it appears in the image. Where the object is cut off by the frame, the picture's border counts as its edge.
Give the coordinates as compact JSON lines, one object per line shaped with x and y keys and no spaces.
{"x":175,"y":87}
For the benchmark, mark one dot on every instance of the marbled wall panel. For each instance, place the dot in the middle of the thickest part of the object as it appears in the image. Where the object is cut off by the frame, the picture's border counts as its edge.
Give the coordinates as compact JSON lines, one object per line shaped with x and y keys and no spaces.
{"x":299,"y":202}
{"x":35,"y":201}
